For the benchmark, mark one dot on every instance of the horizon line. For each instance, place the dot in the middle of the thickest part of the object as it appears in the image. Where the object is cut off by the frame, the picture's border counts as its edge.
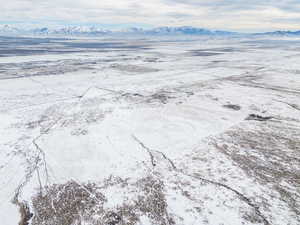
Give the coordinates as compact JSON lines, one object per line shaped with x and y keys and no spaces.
{"x":122,"y":27}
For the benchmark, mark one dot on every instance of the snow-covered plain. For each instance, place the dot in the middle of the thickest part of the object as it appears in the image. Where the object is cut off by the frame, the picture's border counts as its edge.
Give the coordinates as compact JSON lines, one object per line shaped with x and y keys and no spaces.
{"x":141,"y":131}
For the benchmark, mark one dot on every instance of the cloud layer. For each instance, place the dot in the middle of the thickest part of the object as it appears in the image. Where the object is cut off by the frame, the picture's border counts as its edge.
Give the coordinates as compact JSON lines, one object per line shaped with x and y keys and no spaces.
{"x":238,"y":15}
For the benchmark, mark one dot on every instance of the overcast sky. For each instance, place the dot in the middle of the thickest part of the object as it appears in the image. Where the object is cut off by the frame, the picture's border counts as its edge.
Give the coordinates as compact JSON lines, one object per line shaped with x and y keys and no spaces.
{"x":236,"y":15}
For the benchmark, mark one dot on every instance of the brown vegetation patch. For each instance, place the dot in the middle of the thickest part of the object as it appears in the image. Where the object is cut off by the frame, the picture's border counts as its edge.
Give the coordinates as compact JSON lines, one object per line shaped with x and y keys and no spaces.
{"x":25,"y":213}
{"x":74,"y":203}
{"x":270,"y":154}
{"x":67,"y":204}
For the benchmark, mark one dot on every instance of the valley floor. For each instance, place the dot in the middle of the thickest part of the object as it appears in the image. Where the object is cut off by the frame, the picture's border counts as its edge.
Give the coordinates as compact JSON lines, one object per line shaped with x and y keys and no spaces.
{"x":199,"y":131}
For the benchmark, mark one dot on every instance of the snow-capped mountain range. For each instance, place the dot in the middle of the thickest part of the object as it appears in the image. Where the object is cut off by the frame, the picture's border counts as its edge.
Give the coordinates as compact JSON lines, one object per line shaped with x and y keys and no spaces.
{"x":69,"y":30}
{"x":96,"y":31}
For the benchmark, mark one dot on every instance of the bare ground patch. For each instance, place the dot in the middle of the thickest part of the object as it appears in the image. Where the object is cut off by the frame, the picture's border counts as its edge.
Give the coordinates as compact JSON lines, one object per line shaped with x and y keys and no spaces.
{"x":76,"y":203}
{"x":269,"y":153}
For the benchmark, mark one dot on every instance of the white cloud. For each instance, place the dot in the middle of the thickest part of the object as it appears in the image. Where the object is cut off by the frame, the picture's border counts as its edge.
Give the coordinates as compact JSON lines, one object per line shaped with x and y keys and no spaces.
{"x":245,"y":15}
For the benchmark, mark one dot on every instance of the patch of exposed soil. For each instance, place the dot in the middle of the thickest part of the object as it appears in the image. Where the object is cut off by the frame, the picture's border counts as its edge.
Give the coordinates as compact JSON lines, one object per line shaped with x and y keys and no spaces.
{"x":233,"y":107}
{"x":258,"y":117}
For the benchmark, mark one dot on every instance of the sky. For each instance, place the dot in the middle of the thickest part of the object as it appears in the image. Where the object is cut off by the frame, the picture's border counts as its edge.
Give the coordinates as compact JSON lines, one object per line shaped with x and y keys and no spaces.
{"x":233,"y":15}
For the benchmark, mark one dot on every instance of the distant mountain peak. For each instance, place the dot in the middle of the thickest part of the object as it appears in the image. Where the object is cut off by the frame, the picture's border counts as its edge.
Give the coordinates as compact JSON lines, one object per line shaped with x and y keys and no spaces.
{"x":280,"y":33}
